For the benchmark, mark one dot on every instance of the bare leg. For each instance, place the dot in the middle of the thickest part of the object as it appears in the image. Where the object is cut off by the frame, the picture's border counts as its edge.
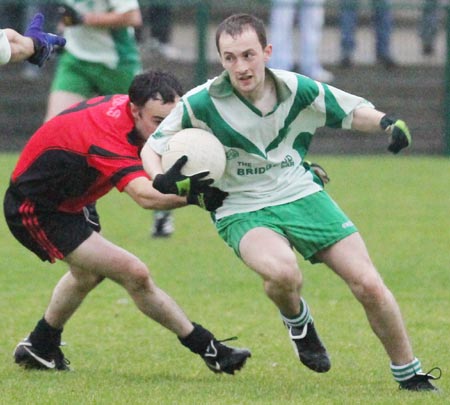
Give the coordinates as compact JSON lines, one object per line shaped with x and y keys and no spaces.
{"x":97,"y":258}
{"x":59,"y":101}
{"x":270,"y":255}
{"x":68,"y":295}
{"x":350,"y":260}
{"x":277,"y":265}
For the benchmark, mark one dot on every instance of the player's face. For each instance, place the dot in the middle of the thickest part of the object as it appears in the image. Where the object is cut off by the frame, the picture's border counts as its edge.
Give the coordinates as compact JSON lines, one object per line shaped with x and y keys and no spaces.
{"x":244,"y":58}
{"x":148,"y":117}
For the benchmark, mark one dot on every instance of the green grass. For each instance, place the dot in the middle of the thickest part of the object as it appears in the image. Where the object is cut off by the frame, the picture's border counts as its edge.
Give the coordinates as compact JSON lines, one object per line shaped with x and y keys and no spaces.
{"x":401,"y":206}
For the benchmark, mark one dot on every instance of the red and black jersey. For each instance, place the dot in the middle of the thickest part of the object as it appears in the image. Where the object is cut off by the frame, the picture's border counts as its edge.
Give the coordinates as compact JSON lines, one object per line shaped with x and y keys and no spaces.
{"x":80,"y":155}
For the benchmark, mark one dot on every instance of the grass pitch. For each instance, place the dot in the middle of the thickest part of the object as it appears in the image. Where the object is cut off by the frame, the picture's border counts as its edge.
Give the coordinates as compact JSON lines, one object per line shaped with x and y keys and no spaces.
{"x":401,"y":207}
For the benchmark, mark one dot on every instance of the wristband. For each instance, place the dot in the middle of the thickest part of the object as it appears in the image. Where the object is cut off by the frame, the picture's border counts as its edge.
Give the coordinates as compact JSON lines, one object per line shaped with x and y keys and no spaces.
{"x":386,"y":121}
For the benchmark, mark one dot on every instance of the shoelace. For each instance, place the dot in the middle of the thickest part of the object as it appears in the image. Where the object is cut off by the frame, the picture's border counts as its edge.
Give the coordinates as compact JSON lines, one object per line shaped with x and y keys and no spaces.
{"x":211,"y":345}
{"x":230,"y":338}
{"x":64,"y":360}
{"x":428,"y":375}
{"x":432,"y":377}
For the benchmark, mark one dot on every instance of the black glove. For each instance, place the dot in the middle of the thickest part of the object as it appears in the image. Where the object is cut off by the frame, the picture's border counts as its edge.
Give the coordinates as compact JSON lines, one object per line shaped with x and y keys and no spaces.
{"x":399,"y":136}
{"x":69,"y":16}
{"x":318,"y":170}
{"x":208,"y":198}
{"x":44,"y":43}
{"x":173,"y":182}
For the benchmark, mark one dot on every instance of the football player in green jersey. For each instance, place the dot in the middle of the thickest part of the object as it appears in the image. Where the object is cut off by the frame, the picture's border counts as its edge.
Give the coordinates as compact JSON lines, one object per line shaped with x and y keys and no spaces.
{"x":265,"y":119}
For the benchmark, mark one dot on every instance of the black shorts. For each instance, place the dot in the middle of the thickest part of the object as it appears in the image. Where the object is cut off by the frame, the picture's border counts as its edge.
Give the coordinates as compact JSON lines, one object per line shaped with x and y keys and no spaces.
{"x":48,"y":233}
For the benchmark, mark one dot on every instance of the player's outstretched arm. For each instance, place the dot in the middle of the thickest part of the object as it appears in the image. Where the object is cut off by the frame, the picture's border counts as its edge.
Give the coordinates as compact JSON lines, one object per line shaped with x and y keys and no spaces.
{"x":34,"y":45}
{"x":44,"y":43}
{"x":142,"y":191}
{"x":370,"y":120}
{"x":16,"y":47}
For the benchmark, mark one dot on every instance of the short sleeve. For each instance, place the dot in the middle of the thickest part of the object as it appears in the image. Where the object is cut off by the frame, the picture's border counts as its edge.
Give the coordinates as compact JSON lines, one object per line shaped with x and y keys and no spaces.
{"x":5,"y":49}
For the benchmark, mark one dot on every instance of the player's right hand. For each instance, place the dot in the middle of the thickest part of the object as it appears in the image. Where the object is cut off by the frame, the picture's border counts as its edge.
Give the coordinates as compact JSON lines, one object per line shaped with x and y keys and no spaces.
{"x":208,"y":198}
{"x":174,"y":182}
{"x":69,"y":16}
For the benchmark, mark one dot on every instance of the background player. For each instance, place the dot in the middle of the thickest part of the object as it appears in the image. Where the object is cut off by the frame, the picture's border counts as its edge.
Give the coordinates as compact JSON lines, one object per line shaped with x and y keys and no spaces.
{"x":101,"y":58}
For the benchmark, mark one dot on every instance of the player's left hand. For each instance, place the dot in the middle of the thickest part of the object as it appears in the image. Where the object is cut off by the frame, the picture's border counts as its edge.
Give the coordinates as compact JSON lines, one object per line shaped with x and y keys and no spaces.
{"x":174,"y":182}
{"x":209,"y":198}
{"x":44,"y":43}
{"x":318,"y":170}
{"x":399,"y":136}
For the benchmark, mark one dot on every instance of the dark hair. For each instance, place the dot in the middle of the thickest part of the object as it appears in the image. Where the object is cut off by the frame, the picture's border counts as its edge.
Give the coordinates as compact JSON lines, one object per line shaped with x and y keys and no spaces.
{"x":153,"y":84}
{"x":237,"y":23}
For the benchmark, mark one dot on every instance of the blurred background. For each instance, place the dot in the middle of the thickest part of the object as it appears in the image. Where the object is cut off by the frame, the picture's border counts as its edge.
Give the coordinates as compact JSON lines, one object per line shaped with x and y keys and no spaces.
{"x":410,"y":80}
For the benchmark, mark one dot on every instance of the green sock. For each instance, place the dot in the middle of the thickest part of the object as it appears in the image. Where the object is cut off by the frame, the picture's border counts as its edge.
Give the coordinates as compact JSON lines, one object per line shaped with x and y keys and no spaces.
{"x":301,"y":319}
{"x":406,"y":371}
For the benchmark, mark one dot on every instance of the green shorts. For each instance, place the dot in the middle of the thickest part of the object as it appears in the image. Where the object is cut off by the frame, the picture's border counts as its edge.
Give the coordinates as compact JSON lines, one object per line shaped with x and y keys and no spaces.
{"x":310,"y":224}
{"x":90,"y":79}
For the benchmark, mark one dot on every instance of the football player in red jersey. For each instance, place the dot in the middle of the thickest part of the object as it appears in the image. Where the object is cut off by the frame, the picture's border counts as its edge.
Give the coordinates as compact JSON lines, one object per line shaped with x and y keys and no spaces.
{"x":67,"y":165}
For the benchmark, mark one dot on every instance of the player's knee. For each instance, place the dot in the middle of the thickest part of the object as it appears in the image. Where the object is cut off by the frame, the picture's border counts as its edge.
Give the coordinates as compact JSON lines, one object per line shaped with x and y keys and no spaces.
{"x":138,"y":277}
{"x":89,"y":283}
{"x":285,"y":276}
{"x":84,"y":280}
{"x":371,"y":292}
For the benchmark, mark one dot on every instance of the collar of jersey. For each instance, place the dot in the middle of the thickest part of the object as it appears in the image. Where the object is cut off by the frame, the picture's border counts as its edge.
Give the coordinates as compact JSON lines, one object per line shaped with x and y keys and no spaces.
{"x":221,"y":86}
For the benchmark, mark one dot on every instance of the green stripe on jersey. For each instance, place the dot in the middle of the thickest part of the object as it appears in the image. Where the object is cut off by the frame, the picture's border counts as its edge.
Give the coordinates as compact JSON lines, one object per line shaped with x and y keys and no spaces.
{"x":204,"y":110}
{"x":126,"y":47}
{"x":334,"y":113}
{"x":309,"y":93}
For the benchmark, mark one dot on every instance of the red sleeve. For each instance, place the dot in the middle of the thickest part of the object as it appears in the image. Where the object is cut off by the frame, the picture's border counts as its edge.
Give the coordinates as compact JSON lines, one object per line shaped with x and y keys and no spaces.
{"x":122,"y":183}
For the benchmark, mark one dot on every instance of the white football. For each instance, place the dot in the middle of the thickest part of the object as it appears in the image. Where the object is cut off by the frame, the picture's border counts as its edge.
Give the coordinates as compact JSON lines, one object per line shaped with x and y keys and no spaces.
{"x":203,"y":149}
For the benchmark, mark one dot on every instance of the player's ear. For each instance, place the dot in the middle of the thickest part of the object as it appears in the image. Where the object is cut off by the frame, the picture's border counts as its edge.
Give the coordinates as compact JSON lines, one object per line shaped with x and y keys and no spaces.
{"x":135,"y":111}
{"x":267,"y":52}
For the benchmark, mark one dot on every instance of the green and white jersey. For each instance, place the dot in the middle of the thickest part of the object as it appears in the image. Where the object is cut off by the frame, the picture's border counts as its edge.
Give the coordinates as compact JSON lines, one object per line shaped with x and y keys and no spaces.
{"x":264,"y":152}
{"x":111,"y":47}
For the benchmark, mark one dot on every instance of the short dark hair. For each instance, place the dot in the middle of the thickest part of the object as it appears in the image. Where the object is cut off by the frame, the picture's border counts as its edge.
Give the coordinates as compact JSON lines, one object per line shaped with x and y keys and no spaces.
{"x":237,"y":23}
{"x":153,"y":84}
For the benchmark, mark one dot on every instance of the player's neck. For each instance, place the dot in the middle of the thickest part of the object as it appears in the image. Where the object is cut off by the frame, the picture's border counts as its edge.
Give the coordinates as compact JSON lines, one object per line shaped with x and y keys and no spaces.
{"x":265,"y":98}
